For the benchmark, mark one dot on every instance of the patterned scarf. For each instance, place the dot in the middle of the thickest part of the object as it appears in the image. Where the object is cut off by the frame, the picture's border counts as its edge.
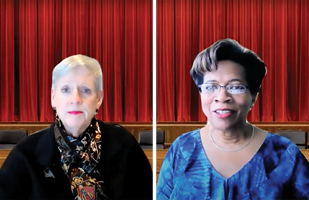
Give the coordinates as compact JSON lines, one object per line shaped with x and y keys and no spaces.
{"x":79,"y":157}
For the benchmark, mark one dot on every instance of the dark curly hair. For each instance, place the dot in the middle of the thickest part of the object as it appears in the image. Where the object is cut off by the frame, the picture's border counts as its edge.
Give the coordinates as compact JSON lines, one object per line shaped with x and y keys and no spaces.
{"x":228,"y":49}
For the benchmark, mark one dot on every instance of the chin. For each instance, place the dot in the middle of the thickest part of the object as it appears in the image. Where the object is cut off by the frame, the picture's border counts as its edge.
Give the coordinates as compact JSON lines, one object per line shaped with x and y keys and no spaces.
{"x":222,"y":124}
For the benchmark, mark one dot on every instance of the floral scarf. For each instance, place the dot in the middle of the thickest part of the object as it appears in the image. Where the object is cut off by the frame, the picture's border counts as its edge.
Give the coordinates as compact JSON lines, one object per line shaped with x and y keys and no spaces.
{"x":79,"y":157}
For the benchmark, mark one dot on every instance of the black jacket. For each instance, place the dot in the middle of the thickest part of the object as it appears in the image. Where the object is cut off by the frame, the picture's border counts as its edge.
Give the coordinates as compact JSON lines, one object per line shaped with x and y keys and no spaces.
{"x":124,"y":168}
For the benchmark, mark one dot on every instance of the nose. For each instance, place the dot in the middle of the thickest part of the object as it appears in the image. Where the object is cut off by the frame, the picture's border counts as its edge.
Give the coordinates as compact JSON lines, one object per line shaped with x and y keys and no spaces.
{"x":223,"y":96}
{"x":75,"y":97}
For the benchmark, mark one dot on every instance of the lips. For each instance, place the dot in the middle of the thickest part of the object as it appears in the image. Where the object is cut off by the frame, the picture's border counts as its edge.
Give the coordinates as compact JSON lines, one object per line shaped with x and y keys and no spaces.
{"x":75,"y":112}
{"x":223,"y":113}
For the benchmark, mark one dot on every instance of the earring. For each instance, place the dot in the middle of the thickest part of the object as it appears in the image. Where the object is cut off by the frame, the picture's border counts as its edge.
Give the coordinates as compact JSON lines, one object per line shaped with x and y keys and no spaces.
{"x":56,"y":115}
{"x":57,"y":120}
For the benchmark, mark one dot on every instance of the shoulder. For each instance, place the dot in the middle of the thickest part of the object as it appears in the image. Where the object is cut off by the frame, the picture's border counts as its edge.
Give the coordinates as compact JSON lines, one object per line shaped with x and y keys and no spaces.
{"x":187,"y":141}
{"x":116,"y":138}
{"x":280,"y":145}
{"x":183,"y":168}
{"x":34,"y":150}
{"x":282,"y":166}
{"x":33,"y":141}
{"x":109,"y":126}
{"x":279,"y":154}
{"x":116,"y":132}
{"x":186,"y":147}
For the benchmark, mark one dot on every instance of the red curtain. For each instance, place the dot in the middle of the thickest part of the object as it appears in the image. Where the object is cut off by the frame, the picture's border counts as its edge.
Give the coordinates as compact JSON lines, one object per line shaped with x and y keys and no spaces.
{"x":165,"y":60}
{"x":37,"y":34}
{"x":277,"y":30}
{"x":303,"y":83}
{"x":7,"y":62}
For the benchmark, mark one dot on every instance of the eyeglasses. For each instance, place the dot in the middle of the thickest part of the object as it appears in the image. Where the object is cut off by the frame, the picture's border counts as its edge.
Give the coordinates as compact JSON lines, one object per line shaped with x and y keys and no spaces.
{"x":210,"y":88}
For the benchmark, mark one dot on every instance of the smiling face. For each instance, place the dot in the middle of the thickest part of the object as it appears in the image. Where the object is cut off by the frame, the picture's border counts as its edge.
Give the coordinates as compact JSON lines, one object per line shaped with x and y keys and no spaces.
{"x":75,"y":99}
{"x":222,"y":109}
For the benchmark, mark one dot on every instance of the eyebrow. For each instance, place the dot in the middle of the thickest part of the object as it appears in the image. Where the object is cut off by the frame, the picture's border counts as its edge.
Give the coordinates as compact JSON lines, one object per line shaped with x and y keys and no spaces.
{"x":69,"y":83}
{"x":232,"y":80}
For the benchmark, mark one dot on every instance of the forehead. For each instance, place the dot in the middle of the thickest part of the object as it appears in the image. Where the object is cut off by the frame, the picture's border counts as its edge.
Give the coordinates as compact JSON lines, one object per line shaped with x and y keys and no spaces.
{"x":227,"y":71}
{"x":79,"y":75}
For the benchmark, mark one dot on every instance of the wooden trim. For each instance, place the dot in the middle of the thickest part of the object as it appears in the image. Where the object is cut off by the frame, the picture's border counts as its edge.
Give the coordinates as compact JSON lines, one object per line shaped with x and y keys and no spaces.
{"x":171,"y":129}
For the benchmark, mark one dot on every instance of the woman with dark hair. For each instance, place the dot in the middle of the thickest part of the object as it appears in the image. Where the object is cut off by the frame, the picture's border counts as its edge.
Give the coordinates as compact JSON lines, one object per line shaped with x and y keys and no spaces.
{"x":229,"y":158}
{"x":77,"y":157}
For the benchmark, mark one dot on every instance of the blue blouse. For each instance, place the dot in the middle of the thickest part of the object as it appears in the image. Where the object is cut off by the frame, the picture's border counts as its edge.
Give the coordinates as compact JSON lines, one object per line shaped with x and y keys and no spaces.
{"x":277,"y":171}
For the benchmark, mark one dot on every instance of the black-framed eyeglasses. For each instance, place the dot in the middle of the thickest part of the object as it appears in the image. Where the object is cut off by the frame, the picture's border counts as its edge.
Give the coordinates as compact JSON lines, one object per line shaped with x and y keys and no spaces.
{"x":210,"y":88}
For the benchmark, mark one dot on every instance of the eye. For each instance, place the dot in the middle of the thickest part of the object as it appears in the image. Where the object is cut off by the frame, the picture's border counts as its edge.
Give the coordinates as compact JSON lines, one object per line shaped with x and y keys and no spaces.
{"x":65,"y":89}
{"x":233,"y":87}
{"x":86,"y":91}
{"x":236,"y":89}
{"x":210,"y":87}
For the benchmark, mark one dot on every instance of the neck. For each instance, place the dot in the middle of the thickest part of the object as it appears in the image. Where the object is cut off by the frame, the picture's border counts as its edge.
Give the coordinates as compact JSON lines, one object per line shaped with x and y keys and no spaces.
{"x":229,"y":142}
{"x":74,"y":132}
{"x":232,"y":135}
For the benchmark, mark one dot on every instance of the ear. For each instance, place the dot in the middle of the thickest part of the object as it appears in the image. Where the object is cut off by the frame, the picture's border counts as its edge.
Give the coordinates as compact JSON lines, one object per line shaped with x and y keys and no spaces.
{"x":100,"y":98}
{"x":52,"y":98}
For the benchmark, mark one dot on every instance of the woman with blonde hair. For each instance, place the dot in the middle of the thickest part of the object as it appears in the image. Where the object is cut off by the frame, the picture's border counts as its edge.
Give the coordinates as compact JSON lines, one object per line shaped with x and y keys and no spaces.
{"x":78,"y":156}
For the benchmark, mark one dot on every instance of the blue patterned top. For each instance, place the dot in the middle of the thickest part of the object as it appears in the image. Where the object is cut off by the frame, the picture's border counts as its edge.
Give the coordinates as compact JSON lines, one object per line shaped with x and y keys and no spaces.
{"x":277,"y":171}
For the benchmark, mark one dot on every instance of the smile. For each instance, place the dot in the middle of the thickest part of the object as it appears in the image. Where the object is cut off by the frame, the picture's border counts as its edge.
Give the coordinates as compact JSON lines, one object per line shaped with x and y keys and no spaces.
{"x":222,"y":114}
{"x":222,"y":111}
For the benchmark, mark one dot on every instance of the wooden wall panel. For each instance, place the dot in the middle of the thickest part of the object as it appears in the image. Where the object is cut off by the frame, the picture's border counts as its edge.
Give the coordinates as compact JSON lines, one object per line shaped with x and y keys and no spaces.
{"x":34,"y":127}
{"x":172,"y":130}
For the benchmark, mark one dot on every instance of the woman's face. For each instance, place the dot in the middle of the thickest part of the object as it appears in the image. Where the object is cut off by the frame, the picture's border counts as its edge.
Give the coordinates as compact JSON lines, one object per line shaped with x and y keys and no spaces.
{"x":222,"y":109}
{"x":76,"y":99}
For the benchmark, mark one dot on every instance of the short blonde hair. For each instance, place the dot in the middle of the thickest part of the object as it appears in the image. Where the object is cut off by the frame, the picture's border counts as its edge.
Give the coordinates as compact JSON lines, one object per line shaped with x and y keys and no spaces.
{"x":74,"y":62}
